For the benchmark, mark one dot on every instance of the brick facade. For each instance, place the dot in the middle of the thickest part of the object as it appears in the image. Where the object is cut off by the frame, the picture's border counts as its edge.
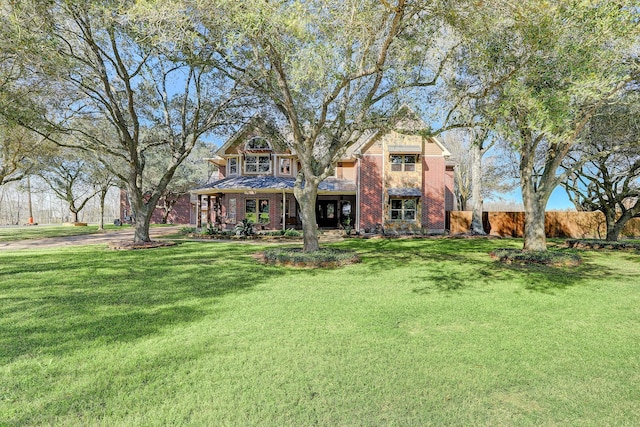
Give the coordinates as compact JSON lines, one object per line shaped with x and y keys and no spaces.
{"x":370,"y":191}
{"x":433,"y":193}
{"x":182,"y":212}
{"x":395,"y":180}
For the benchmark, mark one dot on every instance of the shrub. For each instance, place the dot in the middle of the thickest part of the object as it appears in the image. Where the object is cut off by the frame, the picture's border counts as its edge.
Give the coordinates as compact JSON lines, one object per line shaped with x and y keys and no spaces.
{"x":245,"y":228}
{"x":292,"y":232}
{"x":187,"y":230}
{"x":274,"y":233}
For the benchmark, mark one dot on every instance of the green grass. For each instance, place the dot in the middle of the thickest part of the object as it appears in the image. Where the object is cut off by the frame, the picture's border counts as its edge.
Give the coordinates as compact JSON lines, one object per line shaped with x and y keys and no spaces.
{"x":45,"y":231}
{"x":420,"y":333}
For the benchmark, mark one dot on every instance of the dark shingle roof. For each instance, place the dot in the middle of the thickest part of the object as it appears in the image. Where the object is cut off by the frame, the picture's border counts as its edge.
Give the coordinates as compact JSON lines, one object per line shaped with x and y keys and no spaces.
{"x":245,"y":183}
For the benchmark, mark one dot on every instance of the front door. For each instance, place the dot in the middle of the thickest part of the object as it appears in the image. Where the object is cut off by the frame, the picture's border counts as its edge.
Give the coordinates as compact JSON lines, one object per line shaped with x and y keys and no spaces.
{"x":327,"y":213}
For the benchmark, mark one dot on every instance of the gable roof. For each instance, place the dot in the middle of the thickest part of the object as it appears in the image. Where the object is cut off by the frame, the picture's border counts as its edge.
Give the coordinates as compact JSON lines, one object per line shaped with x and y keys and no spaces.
{"x":404,"y":121}
{"x":257,"y":126}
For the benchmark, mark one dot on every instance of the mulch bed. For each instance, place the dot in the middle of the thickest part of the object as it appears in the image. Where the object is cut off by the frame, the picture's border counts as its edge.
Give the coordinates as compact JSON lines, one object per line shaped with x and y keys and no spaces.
{"x":601,"y":244}
{"x":546,"y":258}
{"x":307,"y":263}
{"x":124,"y":245}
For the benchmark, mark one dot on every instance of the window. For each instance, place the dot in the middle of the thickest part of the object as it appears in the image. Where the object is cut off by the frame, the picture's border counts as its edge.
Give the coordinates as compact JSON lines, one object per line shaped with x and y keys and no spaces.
{"x":257,"y":143}
{"x":257,"y":211}
{"x":406,"y":162}
{"x":403,"y":209}
{"x":257,"y":164}
{"x":285,"y":166}
{"x":250,"y":211}
{"x":233,"y":166}
{"x":263,"y":215}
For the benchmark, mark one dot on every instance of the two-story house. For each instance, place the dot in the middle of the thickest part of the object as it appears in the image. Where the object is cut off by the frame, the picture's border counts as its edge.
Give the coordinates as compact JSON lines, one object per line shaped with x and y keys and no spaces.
{"x":396,"y":180}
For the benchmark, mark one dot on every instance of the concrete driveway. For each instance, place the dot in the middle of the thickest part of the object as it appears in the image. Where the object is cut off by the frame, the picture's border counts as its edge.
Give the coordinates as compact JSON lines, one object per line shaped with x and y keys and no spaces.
{"x":87,"y":239}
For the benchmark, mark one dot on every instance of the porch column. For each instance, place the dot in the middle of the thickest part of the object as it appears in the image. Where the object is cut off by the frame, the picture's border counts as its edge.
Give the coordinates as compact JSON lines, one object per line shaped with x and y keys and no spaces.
{"x":208,"y":209}
{"x":284,"y":211}
{"x":199,"y":211}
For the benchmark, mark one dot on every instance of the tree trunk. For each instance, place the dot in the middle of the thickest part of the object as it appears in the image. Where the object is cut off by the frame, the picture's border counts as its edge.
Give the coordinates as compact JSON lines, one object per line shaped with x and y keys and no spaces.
{"x":142,"y":211}
{"x":141,"y":228}
{"x":535,"y":238}
{"x":167,"y":208}
{"x":306,"y":198}
{"x":615,"y":226}
{"x":74,"y":215}
{"x":613,"y":231}
{"x":476,"y":189}
{"x":103,"y":195}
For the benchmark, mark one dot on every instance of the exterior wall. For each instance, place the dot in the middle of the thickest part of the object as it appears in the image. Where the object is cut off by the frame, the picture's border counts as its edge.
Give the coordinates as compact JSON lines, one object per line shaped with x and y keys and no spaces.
{"x":449,"y":198}
{"x":401,"y":179}
{"x":432,"y":149}
{"x":370,"y":189}
{"x":180,"y":214}
{"x":431,"y":177}
{"x":275,"y":210}
{"x":433,"y":193}
{"x":346,"y":170}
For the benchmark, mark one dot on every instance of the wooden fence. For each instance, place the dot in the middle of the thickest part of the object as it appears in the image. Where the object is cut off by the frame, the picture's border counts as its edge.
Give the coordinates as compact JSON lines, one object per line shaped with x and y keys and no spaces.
{"x":577,"y":225}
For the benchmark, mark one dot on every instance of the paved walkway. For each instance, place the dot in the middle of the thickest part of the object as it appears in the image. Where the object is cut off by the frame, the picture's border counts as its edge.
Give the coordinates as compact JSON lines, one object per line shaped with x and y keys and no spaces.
{"x":86,"y":239}
{"x":127,"y":234}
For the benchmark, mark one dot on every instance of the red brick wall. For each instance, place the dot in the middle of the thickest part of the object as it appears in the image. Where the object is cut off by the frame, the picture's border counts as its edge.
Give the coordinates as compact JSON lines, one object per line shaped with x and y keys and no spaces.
{"x":275,"y":213}
{"x":448,"y":190}
{"x":370,"y":191}
{"x":181,"y":213}
{"x":433,"y":193}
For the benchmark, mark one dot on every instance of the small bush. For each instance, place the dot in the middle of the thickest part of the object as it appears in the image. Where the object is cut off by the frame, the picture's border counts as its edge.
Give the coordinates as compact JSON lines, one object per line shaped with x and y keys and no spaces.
{"x":245,"y":228}
{"x":549,"y":258}
{"x":325,"y":257}
{"x":274,"y":233}
{"x":187,"y":230}
{"x":292,"y":232}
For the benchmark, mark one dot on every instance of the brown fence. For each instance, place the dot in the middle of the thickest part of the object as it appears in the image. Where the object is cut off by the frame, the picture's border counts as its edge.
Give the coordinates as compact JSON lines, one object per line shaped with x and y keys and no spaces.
{"x":577,"y":225}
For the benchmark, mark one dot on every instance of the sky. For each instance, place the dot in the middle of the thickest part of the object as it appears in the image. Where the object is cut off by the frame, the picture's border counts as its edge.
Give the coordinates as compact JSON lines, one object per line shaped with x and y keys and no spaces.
{"x":559,"y":201}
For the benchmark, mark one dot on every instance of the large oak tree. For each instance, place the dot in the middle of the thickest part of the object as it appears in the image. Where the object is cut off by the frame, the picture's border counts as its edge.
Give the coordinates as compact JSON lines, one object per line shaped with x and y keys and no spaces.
{"x":134,"y":69}
{"x":544,"y":68}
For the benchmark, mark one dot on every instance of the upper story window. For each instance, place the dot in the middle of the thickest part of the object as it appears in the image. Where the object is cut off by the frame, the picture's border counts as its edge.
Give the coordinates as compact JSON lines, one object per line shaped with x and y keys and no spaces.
{"x":257,"y":144}
{"x":403,"y":162}
{"x":285,"y":166}
{"x":257,"y":163}
{"x":257,"y":158}
{"x":232,"y":168}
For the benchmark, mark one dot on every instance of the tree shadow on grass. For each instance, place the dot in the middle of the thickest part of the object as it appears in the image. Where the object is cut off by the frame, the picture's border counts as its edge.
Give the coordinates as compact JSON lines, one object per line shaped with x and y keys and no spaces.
{"x":57,"y":302}
{"x":454,"y":281}
{"x":444,"y":265}
{"x":384,"y":254}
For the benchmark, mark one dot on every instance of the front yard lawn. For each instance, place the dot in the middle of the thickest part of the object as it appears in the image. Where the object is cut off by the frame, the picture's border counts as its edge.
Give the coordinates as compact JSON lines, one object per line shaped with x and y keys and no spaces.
{"x":44,"y":231}
{"x":421,"y":332}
